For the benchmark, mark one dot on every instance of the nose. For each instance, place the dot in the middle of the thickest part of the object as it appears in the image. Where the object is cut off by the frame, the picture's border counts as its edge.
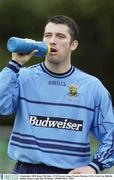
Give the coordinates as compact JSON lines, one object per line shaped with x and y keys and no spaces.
{"x":52,"y":40}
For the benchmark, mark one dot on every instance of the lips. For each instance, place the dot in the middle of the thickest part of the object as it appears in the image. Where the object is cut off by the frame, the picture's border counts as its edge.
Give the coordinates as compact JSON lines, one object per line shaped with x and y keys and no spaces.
{"x":53,"y":50}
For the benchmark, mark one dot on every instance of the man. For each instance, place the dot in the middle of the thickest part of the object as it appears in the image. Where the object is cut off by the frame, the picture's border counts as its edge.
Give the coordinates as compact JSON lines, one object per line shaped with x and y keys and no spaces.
{"x":56,"y":106}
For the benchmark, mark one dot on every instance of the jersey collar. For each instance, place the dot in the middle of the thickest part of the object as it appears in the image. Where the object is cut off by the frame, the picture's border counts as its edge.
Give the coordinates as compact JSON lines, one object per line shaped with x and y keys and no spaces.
{"x":57,"y":75}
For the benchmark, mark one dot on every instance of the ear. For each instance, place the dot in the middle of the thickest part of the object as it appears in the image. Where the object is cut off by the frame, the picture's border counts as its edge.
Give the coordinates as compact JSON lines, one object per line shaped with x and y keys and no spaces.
{"x":74,"y":45}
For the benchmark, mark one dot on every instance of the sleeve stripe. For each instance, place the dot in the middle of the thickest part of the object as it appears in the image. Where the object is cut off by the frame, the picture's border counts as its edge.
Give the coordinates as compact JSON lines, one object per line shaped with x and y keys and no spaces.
{"x":15,"y":66}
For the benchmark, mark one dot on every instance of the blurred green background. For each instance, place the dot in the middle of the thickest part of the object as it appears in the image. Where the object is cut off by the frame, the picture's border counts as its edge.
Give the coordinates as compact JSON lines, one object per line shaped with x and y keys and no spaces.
{"x":96,"y":48}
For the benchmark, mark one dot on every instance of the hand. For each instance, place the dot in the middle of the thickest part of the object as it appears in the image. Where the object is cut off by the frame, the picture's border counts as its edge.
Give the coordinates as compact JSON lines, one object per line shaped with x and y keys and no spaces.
{"x":83,"y":170}
{"x":23,"y":58}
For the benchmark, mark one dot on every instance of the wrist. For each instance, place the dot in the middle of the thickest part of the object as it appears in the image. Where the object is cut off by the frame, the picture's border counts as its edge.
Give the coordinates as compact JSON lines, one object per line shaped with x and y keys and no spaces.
{"x":96,"y":165}
{"x":17,"y":62}
{"x":14,"y":65}
{"x":94,"y":169}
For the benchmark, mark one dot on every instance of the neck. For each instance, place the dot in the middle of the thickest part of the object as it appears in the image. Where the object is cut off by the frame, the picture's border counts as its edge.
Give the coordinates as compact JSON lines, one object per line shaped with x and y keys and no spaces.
{"x":57,"y":68}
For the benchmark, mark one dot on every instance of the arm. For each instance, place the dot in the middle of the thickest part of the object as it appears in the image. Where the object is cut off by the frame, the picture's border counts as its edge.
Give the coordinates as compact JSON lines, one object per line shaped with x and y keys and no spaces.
{"x":9,"y":83}
{"x":103,"y":129}
{"x":9,"y":88}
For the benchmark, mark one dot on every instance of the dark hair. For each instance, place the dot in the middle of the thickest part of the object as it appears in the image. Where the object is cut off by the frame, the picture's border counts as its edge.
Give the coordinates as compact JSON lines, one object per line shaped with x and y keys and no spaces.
{"x":72,"y":25}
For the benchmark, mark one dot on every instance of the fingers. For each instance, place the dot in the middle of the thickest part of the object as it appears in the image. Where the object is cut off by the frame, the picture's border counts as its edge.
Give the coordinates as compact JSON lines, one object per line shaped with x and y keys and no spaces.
{"x":23,"y":58}
{"x":75,"y":171}
{"x":83,"y":170}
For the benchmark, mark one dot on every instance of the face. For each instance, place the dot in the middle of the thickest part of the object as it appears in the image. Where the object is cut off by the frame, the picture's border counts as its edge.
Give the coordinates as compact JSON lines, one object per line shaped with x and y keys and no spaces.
{"x":59,"y":39}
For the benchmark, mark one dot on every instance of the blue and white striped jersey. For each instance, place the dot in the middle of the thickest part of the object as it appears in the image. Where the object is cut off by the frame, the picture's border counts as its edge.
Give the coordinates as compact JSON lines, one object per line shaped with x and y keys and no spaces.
{"x":54,"y":115}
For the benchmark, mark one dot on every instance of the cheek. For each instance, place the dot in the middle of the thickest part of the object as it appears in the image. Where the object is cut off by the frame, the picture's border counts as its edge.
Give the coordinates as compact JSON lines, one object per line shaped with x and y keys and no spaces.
{"x":65,"y":48}
{"x":45,"y":40}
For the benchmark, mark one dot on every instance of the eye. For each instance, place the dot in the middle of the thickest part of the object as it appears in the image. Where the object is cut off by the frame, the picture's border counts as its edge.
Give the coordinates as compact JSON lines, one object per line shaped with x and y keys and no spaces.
{"x":47,"y":35}
{"x":61,"y":36}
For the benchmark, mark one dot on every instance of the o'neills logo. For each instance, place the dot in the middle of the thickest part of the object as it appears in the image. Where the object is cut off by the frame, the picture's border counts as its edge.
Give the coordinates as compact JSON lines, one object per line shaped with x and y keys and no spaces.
{"x":52,"y":122}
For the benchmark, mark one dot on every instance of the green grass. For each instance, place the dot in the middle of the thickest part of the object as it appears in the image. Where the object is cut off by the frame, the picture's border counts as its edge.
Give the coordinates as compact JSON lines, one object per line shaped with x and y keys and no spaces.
{"x":6,"y":164}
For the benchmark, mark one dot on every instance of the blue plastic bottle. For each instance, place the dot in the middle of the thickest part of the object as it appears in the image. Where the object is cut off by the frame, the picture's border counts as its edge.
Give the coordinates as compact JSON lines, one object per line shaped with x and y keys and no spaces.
{"x":25,"y":46}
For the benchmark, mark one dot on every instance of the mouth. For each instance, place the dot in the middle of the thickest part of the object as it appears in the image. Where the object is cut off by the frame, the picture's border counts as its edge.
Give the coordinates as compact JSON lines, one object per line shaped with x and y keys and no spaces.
{"x":53,"y":51}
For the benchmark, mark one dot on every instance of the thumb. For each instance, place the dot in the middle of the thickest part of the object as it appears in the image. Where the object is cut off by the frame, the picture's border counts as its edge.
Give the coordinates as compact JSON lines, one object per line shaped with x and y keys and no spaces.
{"x":34,"y":52}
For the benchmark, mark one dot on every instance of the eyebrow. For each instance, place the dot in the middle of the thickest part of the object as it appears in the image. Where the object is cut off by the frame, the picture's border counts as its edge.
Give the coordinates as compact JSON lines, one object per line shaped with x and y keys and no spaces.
{"x":57,"y":33}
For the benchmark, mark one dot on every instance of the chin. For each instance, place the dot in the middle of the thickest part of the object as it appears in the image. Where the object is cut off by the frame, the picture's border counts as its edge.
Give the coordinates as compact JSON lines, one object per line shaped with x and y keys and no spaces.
{"x":53,"y":60}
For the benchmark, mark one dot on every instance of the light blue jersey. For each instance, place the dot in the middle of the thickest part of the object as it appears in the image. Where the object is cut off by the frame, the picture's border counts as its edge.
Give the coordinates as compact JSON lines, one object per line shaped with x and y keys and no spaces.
{"x":54,"y":115}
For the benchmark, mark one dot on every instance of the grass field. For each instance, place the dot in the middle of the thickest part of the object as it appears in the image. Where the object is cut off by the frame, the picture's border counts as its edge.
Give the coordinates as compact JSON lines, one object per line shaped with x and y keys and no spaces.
{"x":7,"y":164}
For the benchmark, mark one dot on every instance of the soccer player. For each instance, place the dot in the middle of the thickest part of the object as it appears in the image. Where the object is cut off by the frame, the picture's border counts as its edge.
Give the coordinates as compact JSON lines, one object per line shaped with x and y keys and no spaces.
{"x":56,"y":107}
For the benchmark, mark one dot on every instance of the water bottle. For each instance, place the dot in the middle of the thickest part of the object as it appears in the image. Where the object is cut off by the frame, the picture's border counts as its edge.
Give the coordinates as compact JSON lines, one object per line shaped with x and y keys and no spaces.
{"x":25,"y":46}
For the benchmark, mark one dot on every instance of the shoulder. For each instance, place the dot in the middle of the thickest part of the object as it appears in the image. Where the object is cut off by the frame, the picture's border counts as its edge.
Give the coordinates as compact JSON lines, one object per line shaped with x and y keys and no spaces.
{"x":90,"y":82}
{"x":86,"y":78}
{"x":29,"y":69}
{"x":28,"y":72}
